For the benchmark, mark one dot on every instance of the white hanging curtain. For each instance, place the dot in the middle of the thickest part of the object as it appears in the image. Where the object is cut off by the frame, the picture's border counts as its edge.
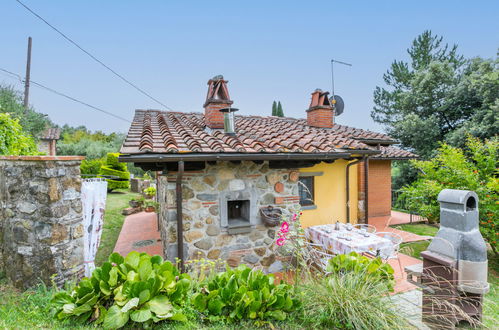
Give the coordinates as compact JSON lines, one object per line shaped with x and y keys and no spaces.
{"x":93,"y":198}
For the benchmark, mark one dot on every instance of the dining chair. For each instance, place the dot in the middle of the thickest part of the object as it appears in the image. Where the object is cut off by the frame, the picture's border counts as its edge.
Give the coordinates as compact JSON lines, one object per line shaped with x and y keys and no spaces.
{"x":391,"y":252}
{"x":318,"y":257}
{"x":369,"y":228}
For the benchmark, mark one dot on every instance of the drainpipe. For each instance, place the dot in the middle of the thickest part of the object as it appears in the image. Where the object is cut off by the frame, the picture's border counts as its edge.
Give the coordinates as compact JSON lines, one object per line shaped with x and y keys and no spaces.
{"x":180,"y":228}
{"x":348,"y":186}
{"x":366,"y":189}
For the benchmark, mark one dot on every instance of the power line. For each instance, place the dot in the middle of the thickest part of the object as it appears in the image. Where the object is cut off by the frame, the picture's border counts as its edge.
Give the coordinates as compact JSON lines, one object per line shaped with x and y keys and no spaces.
{"x":93,"y":57}
{"x":66,"y":96}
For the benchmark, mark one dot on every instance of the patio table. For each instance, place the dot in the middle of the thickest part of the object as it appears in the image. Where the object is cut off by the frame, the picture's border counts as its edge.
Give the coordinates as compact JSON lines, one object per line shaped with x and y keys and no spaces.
{"x":333,"y":240}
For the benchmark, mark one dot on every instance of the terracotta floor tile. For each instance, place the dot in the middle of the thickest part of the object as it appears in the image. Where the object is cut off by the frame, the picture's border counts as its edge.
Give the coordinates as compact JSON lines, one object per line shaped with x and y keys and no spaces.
{"x":138,"y":227}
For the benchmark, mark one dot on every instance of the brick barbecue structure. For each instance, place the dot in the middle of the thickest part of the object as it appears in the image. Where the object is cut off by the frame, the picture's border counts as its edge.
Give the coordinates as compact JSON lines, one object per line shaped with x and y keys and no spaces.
{"x":225,"y":179}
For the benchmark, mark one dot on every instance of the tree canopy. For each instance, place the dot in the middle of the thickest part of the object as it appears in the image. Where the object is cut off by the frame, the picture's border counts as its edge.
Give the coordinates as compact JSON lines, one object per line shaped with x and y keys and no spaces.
{"x":438,"y":96}
{"x":11,"y":102}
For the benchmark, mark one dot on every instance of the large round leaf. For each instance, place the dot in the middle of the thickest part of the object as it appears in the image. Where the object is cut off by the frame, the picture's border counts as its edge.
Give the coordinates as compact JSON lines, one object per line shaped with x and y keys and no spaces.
{"x":141,"y":315}
{"x":160,"y":305}
{"x":115,"y":318}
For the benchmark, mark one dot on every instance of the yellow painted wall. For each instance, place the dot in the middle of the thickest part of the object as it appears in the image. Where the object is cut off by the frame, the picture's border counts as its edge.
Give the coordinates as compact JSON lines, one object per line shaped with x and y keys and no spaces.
{"x":330,"y":194}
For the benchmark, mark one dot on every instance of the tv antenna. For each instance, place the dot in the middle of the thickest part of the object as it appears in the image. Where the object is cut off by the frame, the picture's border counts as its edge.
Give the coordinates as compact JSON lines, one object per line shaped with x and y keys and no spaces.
{"x":332,"y":83}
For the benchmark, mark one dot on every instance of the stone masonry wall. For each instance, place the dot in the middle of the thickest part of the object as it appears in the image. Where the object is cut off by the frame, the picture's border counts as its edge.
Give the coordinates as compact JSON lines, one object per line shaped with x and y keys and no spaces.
{"x":203,"y":235}
{"x":41,"y":230}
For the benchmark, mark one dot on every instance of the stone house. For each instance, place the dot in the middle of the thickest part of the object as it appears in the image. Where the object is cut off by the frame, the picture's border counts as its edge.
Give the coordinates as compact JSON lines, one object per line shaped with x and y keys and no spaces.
{"x":218,"y":170}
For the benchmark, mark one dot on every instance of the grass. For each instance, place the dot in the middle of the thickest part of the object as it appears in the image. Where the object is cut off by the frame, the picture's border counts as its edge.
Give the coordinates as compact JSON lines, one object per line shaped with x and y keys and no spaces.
{"x":418,"y":229}
{"x":113,"y":221}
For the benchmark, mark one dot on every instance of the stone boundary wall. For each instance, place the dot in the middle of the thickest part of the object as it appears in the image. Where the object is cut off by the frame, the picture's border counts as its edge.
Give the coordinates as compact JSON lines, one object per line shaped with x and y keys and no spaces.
{"x":41,"y":221}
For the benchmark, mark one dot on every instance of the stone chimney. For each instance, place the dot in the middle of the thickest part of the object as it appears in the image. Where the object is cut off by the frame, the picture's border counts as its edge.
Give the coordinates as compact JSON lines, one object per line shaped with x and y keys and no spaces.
{"x":320,"y":113}
{"x":216,"y":99}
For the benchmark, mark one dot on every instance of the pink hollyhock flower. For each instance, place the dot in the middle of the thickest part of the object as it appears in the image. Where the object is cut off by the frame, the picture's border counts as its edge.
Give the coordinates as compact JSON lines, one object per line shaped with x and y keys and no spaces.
{"x":295,"y":216}
{"x":285,"y":227}
{"x":280,"y":241}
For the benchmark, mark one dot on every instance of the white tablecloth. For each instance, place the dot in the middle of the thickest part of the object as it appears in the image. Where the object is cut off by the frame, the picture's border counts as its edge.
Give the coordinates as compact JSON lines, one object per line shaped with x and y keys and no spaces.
{"x":332,"y":240}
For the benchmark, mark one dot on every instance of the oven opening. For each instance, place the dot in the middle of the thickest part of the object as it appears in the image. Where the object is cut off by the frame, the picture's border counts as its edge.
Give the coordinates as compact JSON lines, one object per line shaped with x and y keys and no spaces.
{"x":238,"y":213}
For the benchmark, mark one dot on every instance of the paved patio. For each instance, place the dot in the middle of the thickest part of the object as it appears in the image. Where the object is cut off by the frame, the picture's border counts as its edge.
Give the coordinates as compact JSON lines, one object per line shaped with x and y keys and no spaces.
{"x":396,"y":218}
{"x":140,"y":233}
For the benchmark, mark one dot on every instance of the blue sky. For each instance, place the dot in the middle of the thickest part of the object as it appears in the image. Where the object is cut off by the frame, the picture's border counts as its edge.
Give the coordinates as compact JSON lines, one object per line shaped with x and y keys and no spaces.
{"x":268,"y":50}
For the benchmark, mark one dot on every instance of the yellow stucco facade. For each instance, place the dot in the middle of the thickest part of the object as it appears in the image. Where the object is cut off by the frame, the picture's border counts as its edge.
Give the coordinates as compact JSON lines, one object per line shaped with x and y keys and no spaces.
{"x":330,"y":194}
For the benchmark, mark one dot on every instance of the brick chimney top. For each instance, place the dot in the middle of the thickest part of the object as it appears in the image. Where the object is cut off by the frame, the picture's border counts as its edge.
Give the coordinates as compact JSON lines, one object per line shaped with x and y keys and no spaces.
{"x":216,"y":99}
{"x":320,"y":112}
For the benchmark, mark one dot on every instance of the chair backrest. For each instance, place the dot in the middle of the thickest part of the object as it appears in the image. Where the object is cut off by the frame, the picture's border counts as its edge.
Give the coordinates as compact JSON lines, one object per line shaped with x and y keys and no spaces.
{"x":396,"y":239}
{"x":318,"y":256}
{"x":367,"y":227}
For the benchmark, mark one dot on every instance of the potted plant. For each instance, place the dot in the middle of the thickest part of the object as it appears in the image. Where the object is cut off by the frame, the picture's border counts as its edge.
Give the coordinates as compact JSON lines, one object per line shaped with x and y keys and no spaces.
{"x":151,"y":206}
{"x":150,"y":192}
{"x":137,"y":202}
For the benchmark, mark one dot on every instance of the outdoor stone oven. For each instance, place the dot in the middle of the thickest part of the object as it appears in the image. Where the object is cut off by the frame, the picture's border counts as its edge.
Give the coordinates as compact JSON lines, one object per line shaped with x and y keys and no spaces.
{"x":221,"y":212}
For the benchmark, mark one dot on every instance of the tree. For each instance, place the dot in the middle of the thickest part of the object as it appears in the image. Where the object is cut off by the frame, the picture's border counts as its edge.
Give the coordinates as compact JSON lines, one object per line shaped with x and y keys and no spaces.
{"x":11,"y":102}
{"x":13,"y":140}
{"x":274,"y":108}
{"x":279,"y":112}
{"x":437,"y":96}
{"x":418,"y":95}
{"x":117,"y":171}
{"x":473,"y":168}
{"x":482,"y":82}
{"x":80,"y":141}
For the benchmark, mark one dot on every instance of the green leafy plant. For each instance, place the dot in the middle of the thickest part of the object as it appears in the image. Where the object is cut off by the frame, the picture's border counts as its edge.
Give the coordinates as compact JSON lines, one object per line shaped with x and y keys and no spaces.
{"x":245,"y":294}
{"x":13,"y":140}
{"x":118,"y":171}
{"x":473,"y":168}
{"x":150,"y":191}
{"x":371,"y":269}
{"x":151,"y":204}
{"x":137,"y":202}
{"x":137,"y":289}
{"x":91,"y":166}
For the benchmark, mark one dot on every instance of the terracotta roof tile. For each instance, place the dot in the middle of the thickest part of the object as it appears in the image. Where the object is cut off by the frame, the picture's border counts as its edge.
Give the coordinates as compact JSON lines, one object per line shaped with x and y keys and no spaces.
{"x":154,"y":131}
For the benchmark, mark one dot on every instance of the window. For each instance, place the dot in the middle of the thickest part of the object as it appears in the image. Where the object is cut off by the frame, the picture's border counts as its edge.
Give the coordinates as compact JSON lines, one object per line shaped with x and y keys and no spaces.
{"x":306,"y":190}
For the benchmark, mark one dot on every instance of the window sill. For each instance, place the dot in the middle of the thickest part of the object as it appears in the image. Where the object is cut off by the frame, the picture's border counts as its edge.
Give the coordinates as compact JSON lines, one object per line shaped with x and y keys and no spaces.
{"x":309,"y":207}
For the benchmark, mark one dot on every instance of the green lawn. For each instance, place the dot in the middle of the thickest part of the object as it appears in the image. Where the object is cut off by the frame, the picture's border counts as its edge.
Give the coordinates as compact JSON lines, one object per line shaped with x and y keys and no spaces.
{"x":113,"y":221}
{"x":418,"y":229}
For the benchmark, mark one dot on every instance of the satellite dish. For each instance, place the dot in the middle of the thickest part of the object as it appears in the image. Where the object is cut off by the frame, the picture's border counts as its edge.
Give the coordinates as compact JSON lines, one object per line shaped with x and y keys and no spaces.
{"x":339,"y":106}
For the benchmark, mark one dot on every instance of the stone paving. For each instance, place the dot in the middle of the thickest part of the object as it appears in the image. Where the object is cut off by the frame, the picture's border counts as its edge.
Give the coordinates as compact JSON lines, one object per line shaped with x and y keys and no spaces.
{"x":409,"y":305}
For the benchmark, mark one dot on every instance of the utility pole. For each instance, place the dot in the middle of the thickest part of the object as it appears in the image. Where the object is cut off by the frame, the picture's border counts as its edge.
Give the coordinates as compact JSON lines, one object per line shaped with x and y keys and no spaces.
{"x":26,"y":80}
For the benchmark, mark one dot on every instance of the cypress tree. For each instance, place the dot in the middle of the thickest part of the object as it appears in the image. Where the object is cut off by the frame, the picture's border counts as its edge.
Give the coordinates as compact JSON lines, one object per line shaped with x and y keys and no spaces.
{"x":280,"y":113}
{"x":274,"y":109}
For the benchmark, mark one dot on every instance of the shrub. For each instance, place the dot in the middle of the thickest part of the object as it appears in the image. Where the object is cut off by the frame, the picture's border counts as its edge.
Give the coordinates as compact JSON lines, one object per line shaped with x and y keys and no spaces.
{"x":241,"y":294}
{"x":138,"y":289}
{"x":115,"y":169}
{"x":349,"y":301}
{"x":473,"y":168}
{"x":13,"y":140}
{"x":91,"y":166}
{"x":371,"y":269}
{"x":150,"y":191}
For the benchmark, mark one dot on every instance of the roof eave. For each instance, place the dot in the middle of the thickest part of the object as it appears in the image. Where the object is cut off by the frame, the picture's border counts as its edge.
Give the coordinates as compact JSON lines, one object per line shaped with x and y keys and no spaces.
{"x":377,"y":141}
{"x":197,"y":157}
